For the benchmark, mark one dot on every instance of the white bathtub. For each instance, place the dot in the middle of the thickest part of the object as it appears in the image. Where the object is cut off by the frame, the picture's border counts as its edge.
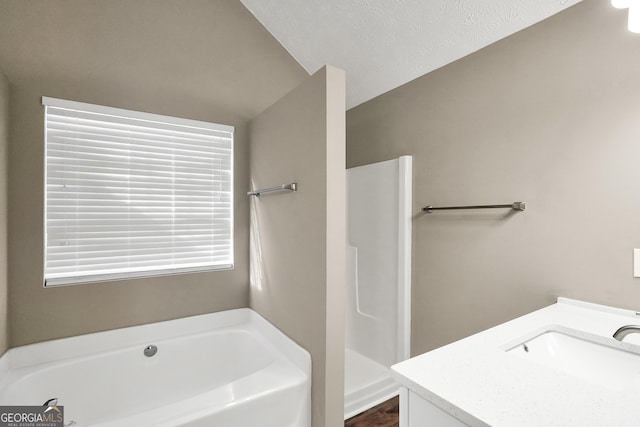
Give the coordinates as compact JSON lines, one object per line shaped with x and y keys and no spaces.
{"x":224,"y":369}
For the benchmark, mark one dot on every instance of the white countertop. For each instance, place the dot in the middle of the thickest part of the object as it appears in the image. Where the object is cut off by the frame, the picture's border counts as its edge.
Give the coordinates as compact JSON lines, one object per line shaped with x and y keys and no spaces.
{"x":479,"y":383}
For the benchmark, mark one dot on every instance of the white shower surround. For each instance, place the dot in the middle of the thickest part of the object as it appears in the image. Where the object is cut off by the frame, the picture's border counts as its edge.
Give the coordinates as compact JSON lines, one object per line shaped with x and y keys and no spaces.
{"x":378,"y":294}
{"x":231,"y":368}
{"x":382,"y":44}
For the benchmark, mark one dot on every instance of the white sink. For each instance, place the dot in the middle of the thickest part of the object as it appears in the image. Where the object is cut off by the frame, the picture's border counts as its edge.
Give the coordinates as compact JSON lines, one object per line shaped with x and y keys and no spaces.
{"x":592,"y":358}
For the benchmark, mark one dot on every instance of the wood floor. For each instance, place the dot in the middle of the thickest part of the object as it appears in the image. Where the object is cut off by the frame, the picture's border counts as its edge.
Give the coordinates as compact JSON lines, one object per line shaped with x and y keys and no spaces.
{"x":383,"y":415}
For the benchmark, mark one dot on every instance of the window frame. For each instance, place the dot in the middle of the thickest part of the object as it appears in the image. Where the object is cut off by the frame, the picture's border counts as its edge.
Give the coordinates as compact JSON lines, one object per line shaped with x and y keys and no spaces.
{"x":150,"y":117}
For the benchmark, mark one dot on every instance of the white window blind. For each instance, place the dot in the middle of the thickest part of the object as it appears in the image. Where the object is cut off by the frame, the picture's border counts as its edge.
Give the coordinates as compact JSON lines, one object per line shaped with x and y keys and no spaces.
{"x":132,"y":194}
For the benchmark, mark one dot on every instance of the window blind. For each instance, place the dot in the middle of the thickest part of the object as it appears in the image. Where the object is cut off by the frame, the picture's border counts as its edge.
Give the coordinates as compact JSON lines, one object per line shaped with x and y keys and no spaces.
{"x":131,"y":194}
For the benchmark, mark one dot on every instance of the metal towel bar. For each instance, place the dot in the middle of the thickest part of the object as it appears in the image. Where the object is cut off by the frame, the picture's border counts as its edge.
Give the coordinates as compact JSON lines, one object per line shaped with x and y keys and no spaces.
{"x":517,"y":206}
{"x":292,"y":187}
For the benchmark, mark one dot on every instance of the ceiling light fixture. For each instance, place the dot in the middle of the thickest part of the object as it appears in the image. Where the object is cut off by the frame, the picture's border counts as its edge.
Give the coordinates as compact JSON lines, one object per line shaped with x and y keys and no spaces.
{"x":634,"y":12}
{"x":620,"y":4}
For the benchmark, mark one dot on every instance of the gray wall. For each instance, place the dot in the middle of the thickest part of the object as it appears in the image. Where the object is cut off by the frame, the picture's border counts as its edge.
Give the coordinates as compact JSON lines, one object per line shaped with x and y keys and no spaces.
{"x":550,"y":116}
{"x":297,"y":239}
{"x":214,"y":62}
{"x":4,"y":143}
{"x":200,"y":52}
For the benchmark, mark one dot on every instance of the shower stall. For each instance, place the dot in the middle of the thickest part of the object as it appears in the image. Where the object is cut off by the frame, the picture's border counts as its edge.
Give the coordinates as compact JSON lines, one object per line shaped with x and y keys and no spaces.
{"x":378,"y":268}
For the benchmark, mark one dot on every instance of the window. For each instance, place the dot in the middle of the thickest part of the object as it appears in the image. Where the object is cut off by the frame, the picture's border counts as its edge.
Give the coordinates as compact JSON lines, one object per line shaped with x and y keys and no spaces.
{"x":131,"y":194}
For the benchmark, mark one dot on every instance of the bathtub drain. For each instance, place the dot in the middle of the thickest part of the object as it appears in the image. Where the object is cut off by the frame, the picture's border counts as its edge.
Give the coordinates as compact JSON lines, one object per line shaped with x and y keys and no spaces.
{"x":150,"y":350}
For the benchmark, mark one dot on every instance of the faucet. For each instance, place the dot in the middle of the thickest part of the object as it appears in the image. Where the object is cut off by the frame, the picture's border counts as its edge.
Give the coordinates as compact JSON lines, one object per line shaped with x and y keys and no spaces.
{"x":51,"y":402}
{"x":626,"y":330}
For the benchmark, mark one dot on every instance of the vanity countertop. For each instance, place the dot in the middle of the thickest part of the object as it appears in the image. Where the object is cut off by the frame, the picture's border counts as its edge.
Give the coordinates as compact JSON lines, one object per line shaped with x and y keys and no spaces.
{"x":477,"y":381}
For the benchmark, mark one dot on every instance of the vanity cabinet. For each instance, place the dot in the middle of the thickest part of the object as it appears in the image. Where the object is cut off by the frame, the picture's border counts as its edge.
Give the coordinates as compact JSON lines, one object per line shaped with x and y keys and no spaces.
{"x":417,"y":412}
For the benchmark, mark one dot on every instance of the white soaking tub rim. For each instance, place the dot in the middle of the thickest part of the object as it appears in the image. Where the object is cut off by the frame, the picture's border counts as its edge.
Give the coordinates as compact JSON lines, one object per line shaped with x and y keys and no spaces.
{"x":85,"y":345}
{"x":280,"y":370}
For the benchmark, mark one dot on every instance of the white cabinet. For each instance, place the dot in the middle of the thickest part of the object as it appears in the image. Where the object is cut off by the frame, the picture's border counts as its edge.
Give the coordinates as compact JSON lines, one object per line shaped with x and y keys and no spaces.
{"x":417,"y":412}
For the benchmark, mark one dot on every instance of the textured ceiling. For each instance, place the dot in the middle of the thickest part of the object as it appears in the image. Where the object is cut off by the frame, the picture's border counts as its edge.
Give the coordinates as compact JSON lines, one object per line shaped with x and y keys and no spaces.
{"x":382,"y":44}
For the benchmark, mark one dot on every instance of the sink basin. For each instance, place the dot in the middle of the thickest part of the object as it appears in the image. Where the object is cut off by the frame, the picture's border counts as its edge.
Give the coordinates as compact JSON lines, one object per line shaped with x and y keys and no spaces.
{"x":592,"y":358}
